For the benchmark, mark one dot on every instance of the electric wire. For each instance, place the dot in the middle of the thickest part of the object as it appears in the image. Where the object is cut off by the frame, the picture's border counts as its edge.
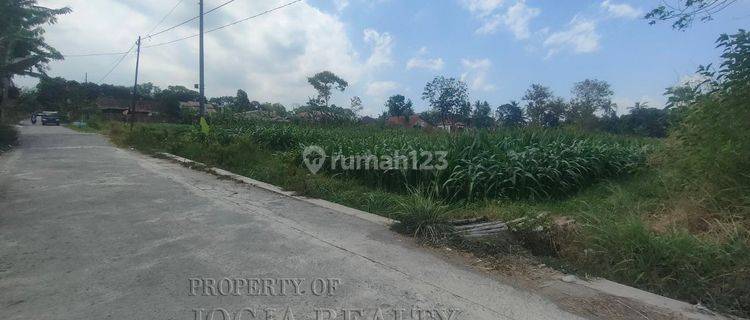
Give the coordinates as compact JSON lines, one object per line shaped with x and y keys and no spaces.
{"x":151,"y":35}
{"x":117,"y":63}
{"x":226,"y":25}
{"x":166,"y":16}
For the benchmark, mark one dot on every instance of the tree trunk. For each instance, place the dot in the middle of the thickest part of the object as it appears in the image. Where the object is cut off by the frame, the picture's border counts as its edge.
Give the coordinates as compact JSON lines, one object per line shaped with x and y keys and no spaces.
{"x":4,"y":102}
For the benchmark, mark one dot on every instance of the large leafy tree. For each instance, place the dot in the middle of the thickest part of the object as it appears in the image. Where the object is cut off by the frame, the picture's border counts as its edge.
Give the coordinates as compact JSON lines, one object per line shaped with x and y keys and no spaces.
{"x":510,"y":115}
{"x":481,"y":115}
{"x":325,"y":82}
{"x":590,"y":96}
{"x":242,"y":102}
{"x":645,"y":121}
{"x":398,"y":106}
{"x":542,"y":107}
{"x":23,"y":49}
{"x":448,"y":96}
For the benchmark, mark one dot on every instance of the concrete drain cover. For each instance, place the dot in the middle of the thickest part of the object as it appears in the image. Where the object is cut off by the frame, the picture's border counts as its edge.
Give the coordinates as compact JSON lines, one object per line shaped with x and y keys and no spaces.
{"x":479,"y":228}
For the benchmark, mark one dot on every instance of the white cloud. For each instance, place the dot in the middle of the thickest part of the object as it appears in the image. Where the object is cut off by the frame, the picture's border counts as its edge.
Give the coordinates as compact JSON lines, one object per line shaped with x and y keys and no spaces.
{"x":475,"y":74}
{"x":379,"y":89}
{"x":490,"y":24}
{"x":482,"y":7}
{"x":518,"y":17}
{"x":341,"y":4}
{"x":579,"y":37}
{"x":269,"y":57}
{"x":382,"y":44}
{"x":621,"y":10}
{"x":425,"y":63}
{"x":421,"y":62}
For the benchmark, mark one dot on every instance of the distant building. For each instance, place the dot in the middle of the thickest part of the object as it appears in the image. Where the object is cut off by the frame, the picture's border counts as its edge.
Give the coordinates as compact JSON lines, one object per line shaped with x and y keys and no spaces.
{"x":117,"y":109}
{"x":368,"y":120}
{"x":194,"y":106}
{"x":451,"y":125}
{"x":414,"y":121}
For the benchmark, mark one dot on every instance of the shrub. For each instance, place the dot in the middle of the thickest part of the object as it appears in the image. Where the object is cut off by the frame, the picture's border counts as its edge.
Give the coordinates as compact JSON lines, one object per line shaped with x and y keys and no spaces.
{"x":8,"y":136}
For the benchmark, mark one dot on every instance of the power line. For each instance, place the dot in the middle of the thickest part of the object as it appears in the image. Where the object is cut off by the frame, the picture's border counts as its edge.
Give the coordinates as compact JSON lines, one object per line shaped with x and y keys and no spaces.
{"x":93,"y":54}
{"x":119,"y":53}
{"x":151,"y":35}
{"x":255,"y":16}
{"x":117,"y":63}
{"x":226,"y":25}
{"x":167,"y":15}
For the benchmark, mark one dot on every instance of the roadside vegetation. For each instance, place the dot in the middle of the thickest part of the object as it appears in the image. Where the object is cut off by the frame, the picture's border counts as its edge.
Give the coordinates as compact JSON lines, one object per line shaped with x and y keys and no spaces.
{"x":8,"y":137}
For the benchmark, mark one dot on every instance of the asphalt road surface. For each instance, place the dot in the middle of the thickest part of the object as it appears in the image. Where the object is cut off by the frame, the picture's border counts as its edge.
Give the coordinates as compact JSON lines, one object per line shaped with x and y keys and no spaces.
{"x":91,"y":231}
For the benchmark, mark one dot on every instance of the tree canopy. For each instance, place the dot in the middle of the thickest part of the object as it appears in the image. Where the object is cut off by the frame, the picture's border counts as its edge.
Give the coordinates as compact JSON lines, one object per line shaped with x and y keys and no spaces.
{"x":448,"y":96}
{"x":398,"y":106}
{"x":23,"y":49}
{"x":325,"y":82}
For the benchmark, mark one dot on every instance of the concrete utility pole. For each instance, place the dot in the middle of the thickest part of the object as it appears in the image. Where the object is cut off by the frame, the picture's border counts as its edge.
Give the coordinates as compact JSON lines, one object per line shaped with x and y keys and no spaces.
{"x":135,"y":86}
{"x":202,"y":84}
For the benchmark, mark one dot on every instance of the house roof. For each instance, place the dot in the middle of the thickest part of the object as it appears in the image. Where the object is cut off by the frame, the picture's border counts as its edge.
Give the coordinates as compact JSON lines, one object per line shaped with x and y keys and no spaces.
{"x":409,"y":122}
{"x":108,"y":103}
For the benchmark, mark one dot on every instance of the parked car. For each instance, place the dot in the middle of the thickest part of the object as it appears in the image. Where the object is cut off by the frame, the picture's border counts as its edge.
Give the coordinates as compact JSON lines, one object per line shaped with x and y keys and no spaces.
{"x":50,"y":117}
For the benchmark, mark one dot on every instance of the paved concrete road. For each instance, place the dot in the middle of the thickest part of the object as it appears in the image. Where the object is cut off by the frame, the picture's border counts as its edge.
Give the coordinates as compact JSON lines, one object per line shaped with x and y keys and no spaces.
{"x":89,"y":231}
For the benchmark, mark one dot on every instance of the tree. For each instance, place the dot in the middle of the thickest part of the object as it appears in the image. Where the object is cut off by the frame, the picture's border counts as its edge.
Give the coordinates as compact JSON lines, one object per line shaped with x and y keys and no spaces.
{"x":590,"y":96}
{"x":510,"y":115}
{"x":680,"y":96}
{"x":324,"y":82}
{"x":148,"y":89}
{"x":23,"y":49}
{"x":481,"y":115}
{"x":554,"y":112}
{"x":170,"y":99}
{"x":398,"y":106}
{"x":277,"y":109}
{"x":542,"y":108}
{"x":224,"y":102}
{"x":447,"y":96}
{"x":242,"y":102}
{"x":355,"y":105}
{"x":463,"y":113}
{"x":645,"y":121}
{"x":684,"y":12}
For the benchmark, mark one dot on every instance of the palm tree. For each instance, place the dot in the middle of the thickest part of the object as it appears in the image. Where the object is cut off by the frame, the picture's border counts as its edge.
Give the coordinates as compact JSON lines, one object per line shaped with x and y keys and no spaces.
{"x":23,"y":50}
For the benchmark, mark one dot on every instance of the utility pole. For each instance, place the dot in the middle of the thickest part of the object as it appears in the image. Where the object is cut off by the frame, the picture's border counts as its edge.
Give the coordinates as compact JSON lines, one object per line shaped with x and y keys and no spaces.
{"x":86,"y":78}
{"x":135,"y":86}
{"x":202,"y":87}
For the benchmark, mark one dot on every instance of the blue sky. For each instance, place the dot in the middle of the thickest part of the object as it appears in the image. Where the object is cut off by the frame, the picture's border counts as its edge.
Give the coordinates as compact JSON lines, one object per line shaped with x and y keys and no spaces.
{"x":385,"y":47}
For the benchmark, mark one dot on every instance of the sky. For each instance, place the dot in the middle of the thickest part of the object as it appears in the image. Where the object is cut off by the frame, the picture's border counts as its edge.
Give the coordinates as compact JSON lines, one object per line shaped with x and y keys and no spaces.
{"x":386,"y":47}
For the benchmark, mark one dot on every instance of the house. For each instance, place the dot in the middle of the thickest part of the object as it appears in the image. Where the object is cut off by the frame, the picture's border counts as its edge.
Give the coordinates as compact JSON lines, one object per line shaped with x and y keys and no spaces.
{"x":263,"y":115}
{"x":194,"y":106}
{"x":117,"y":109}
{"x":451,"y":125}
{"x":413,"y":121}
{"x":367,"y":120}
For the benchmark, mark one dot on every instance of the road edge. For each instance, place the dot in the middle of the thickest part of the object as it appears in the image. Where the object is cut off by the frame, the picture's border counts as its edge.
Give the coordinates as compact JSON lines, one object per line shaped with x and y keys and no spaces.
{"x":272,"y":188}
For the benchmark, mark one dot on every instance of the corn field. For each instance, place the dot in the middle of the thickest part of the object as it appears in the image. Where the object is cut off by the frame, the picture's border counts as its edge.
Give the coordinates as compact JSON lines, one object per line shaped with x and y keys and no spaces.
{"x":513,"y":163}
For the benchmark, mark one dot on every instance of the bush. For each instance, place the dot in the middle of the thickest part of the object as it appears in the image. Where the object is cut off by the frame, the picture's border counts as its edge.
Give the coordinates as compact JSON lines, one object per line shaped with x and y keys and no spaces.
{"x":710,"y":151}
{"x":8,"y":136}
